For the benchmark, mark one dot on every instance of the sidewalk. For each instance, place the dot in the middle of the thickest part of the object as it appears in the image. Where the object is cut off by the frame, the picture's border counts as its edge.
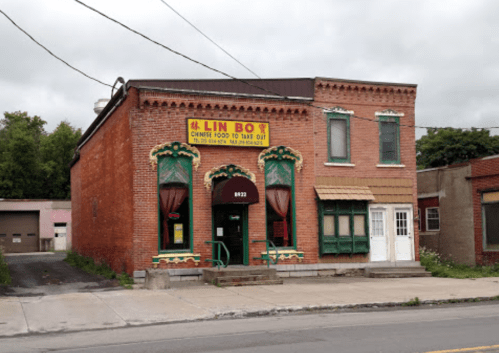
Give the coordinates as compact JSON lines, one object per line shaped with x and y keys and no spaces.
{"x":111,"y":309}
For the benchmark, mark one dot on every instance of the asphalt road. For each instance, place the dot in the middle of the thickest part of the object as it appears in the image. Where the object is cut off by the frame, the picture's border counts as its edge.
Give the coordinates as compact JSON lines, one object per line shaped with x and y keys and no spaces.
{"x":46,"y":274}
{"x":452,"y":329}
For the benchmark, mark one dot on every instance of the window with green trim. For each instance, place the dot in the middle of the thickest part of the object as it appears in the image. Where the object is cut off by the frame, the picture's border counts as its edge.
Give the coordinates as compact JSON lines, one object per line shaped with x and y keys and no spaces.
{"x":279,"y":195}
{"x":344,"y":227}
{"x":279,"y":210}
{"x":174,"y":194}
{"x":389,"y":140}
{"x":338,"y":127}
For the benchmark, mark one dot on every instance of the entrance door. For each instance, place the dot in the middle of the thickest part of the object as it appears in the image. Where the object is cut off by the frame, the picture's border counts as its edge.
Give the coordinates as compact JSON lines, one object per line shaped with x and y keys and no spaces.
{"x":403,"y":236}
{"x":60,"y":232}
{"x":230,"y":228}
{"x":379,"y":248}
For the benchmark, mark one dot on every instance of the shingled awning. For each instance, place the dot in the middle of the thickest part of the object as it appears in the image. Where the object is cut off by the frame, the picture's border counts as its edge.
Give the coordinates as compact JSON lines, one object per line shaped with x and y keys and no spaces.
{"x":327,"y":192}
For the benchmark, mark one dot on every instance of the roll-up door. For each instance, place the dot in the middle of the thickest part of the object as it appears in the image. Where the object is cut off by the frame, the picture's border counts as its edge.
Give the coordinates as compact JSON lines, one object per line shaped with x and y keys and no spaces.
{"x":19,"y":232}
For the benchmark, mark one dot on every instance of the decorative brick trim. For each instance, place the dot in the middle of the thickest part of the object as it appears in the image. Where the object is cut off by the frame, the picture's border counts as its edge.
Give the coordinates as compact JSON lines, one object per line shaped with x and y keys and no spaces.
{"x":326,"y":90}
{"x":175,"y":149}
{"x":227,"y":171}
{"x":219,"y":106}
{"x":279,"y":153}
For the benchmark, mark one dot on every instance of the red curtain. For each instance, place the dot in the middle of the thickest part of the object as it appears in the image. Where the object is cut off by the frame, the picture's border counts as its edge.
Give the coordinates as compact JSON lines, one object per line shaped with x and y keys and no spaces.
{"x":278,"y":198}
{"x":170,"y":199}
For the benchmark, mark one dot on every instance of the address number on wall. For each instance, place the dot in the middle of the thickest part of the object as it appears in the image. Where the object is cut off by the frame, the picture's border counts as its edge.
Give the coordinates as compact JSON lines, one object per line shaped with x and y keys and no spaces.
{"x":240,"y":194}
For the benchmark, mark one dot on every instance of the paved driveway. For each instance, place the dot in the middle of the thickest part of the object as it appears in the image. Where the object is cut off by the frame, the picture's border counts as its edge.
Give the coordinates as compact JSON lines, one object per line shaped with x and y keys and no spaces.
{"x":41,"y":274}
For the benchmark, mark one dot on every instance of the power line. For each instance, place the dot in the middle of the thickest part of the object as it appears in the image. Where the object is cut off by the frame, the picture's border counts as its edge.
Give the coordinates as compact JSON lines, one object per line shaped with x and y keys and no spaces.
{"x":210,"y":68}
{"x":55,"y":56}
{"x":212,"y":41}
{"x":174,"y":51}
{"x":235,"y":78}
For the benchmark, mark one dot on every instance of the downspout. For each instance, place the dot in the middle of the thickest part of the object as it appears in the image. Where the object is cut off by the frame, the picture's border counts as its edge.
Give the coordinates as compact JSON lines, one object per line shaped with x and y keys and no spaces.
{"x":118,"y":103}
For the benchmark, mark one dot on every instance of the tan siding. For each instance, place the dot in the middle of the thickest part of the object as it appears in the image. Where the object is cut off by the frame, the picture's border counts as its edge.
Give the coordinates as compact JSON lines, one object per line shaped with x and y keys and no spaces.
{"x":385,"y":190}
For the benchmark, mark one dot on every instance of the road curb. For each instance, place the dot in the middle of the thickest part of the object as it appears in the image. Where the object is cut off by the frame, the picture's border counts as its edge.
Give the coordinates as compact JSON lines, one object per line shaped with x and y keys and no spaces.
{"x":240,"y":314}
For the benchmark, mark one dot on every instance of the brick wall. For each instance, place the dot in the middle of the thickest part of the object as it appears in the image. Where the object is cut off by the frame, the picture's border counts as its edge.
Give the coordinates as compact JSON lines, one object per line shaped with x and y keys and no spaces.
{"x":485,"y":175}
{"x":365,"y":100}
{"x":117,"y":187}
{"x":162,"y":118}
{"x":102,"y":194}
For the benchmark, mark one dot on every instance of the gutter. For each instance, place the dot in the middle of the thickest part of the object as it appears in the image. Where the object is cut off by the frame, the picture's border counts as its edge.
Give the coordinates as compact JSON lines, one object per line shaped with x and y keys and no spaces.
{"x":223,"y":94}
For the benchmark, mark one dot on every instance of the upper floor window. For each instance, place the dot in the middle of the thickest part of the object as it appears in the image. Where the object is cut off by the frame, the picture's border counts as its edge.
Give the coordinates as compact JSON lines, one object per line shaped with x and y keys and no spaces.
{"x":389,"y":140}
{"x":338,"y":126}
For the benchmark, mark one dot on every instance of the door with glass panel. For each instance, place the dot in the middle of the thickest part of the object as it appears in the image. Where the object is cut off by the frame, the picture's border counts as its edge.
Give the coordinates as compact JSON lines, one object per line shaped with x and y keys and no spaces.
{"x":379,"y":244}
{"x":403,"y":236}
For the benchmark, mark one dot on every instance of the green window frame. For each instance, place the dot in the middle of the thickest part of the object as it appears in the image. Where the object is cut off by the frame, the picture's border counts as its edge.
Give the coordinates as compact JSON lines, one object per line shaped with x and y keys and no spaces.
{"x":343,"y":227}
{"x":185,"y":164}
{"x":281,"y":173}
{"x":338,"y":127}
{"x":389,"y":140}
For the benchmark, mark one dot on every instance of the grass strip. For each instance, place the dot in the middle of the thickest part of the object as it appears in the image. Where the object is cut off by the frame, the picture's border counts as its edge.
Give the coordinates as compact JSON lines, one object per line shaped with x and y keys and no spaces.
{"x":5,"y":278}
{"x":446,"y":267}
{"x":88,"y":265}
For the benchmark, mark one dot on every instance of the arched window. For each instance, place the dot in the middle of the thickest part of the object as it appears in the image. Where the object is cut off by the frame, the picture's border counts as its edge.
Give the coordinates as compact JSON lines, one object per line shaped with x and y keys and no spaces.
{"x":279,"y":164}
{"x":175,"y":161}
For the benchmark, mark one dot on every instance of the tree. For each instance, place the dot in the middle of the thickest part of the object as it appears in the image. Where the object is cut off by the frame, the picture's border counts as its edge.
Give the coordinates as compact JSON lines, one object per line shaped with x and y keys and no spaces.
{"x":440,"y":147}
{"x":20,"y":170}
{"x":34,"y":164}
{"x":57,"y":151}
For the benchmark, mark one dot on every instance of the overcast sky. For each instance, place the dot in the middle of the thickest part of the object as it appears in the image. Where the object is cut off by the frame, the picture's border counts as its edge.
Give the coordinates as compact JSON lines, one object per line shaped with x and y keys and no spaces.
{"x":450,"y":49}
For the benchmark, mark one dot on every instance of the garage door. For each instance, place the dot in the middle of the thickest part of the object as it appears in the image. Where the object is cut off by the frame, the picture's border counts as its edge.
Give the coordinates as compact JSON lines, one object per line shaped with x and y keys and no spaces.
{"x":19,"y":231}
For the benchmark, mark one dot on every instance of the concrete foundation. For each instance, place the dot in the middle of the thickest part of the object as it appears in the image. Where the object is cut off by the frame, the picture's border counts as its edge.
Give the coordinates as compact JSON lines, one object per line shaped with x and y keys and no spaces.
{"x":157,"y":279}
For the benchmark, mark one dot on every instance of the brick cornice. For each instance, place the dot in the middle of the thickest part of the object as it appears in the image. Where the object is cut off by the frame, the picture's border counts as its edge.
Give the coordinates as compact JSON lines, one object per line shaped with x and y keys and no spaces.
{"x":221,"y":106}
{"x":363,"y":92}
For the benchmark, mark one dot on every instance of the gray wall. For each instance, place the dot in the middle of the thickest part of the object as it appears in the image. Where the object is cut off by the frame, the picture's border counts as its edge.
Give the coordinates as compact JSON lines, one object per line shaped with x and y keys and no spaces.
{"x":456,"y":237}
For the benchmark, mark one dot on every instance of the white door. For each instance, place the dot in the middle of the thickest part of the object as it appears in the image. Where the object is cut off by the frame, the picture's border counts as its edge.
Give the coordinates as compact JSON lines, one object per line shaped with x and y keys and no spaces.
{"x":403,"y":236}
{"x":60,"y":238}
{"x":379,"y":247}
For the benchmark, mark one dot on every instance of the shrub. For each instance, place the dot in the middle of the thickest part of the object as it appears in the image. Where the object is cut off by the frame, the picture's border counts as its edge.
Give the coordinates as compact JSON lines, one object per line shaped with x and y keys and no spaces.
{"x":4,"y":271}
{"x":87,"y":264}
{"x":439,"y":267}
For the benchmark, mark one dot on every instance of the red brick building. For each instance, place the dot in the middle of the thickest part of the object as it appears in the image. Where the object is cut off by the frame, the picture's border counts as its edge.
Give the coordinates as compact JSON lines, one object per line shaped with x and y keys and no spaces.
{"x":459,"y":207}
{"x":323,"y":168}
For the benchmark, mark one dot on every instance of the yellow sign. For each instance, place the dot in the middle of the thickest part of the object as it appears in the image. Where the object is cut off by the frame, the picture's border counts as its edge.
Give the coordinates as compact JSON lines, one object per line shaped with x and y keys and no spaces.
{"x":178,"y":233}
{"x":228,"y":133}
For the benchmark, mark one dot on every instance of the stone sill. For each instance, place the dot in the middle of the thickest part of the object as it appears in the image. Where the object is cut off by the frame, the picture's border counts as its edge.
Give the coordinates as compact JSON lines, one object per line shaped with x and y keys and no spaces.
{"x":390,"y":165}
{"x":334,"y":164}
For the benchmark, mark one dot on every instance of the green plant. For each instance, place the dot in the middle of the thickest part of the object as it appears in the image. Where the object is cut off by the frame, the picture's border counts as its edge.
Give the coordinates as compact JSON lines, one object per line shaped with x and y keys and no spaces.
{"x":413,"y":302}
{"x":87,"y":264}
{"x":4,"y":271}
{"x":125,"y":280}
{"x":440,"y":267}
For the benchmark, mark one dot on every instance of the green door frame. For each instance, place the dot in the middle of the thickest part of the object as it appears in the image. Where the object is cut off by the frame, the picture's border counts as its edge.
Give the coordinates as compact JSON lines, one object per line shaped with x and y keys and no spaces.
{"x":245,"y":235}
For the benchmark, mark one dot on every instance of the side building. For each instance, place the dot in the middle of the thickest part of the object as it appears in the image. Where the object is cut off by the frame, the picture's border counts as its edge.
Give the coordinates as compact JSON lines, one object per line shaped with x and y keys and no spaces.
{"x":459,"y":210}
{"x":324,"y":169}
{"x":34,"y":225}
